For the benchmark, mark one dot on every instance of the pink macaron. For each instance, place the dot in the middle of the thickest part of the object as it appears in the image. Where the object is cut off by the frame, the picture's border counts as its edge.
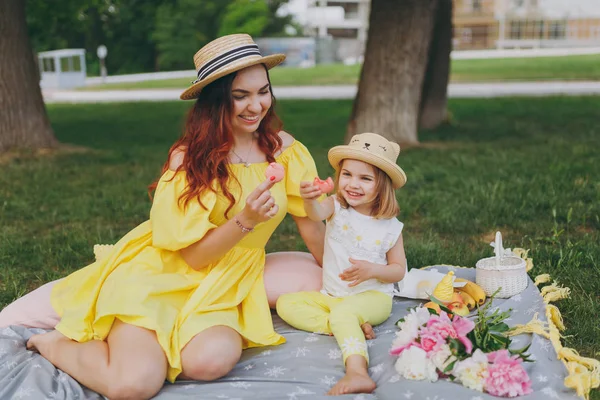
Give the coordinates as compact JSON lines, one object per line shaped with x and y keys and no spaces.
{"x":275,"y":172}
{"x":326,"y":186}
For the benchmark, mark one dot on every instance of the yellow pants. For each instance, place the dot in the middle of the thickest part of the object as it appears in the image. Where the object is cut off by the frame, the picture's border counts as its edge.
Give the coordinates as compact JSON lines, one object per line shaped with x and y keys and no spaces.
{"x":340,"y":316}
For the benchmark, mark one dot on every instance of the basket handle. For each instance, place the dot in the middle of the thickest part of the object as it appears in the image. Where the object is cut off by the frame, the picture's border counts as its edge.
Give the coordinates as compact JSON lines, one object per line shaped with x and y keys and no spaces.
{"x":499,"y":250}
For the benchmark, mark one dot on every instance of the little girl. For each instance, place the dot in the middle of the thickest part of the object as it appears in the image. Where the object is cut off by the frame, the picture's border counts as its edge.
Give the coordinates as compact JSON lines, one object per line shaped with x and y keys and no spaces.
{"x":364,"y":254}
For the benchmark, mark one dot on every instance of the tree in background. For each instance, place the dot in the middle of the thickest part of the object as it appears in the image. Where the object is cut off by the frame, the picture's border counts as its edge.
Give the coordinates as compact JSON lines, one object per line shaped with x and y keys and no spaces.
{"x":434,"y":96}
{"x":23,"y":119}
{"x":245,"y":16}
{"x":405,"y":73}
{"x":184,"y":26}
{"x":147,"y":35}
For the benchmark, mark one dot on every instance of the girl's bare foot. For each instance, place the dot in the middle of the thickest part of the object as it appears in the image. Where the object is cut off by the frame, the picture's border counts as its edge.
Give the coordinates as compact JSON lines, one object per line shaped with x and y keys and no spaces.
{"x":45,"y":343}
{"x":368,"y":331}
{"x":353,"y":382}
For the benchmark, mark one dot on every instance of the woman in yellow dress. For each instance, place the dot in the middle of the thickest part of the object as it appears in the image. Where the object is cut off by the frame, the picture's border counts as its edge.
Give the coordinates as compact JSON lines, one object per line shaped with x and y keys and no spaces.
{"x":182,"y":294}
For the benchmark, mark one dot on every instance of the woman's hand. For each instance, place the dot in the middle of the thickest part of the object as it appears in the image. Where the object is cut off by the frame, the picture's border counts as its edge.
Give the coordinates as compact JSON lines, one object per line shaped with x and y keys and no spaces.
{"x":359,"y":272}
{"x":309,"y":191}
{"x":260,"y":206}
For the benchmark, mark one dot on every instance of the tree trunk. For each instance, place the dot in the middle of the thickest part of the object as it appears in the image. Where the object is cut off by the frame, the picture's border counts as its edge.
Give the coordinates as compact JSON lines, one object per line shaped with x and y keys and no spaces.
{"x":435,"y":86}
{"x":23,"y":119}
{"x":391,"y":80}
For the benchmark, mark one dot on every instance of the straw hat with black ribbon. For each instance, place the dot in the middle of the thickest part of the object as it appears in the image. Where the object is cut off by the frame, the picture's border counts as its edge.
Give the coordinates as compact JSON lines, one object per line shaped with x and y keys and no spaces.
{"x":223,"y":56}
{"x":373,"y":149}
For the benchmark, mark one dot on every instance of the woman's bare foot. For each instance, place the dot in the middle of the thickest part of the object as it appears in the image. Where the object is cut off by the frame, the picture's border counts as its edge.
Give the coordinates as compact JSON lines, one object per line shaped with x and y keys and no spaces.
{"x":368,"y":331}
{"x":45,"y":343}
{"x":353,"y":382}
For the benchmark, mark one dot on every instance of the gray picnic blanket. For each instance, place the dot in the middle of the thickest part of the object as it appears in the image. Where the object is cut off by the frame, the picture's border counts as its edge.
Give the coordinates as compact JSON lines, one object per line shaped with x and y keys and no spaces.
{"x":303,"y":368}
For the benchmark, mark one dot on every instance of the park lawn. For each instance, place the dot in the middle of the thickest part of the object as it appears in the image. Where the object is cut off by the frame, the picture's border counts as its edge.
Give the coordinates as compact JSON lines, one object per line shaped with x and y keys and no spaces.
{"x":526,"y":166}
{"x":482,"y":70}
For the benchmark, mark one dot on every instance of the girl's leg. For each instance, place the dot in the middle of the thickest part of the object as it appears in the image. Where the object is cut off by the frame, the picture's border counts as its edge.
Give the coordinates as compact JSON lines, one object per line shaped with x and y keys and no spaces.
{"x":346,"y":320}
{"x":291,"y":272}
{"x":211,"y":354}
{"x":32,"y":310}
{"x":308,"y":311}
{"x":130,"y":364}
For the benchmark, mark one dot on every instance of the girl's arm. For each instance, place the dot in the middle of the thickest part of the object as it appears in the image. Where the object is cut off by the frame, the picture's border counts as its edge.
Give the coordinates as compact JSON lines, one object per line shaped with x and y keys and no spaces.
{"x":396,"y":268}
{"x":313,"y":234}
{"x":393,"y":272}
{"x":315,"y":209}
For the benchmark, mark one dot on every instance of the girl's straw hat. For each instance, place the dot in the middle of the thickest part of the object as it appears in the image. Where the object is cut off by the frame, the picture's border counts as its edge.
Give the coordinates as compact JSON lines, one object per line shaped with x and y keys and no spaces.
{"x":223,"y":56}
{"x":373,"y":149}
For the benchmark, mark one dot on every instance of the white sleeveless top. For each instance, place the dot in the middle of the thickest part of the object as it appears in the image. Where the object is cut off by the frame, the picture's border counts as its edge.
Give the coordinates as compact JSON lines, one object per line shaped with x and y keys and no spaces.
{"x":350,"y":234}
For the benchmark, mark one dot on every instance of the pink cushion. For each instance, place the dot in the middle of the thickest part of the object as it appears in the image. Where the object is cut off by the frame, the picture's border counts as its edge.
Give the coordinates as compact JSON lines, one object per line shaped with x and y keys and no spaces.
{"x":285,"y":272}
{"x":32,"y":310}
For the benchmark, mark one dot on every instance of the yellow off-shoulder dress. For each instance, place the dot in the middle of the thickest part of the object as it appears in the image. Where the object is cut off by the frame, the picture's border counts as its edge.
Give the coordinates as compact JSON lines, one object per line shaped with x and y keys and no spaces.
{"x":145,"y":282}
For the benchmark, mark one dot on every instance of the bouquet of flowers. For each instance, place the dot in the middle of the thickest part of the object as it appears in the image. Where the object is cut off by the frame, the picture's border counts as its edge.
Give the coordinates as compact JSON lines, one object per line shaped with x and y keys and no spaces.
{"x":432,"y":345}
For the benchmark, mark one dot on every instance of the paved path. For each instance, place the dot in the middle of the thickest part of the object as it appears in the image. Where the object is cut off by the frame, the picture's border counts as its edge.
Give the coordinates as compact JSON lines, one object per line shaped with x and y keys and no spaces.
{"x":455,"y":90}
{"x":455,"y":55}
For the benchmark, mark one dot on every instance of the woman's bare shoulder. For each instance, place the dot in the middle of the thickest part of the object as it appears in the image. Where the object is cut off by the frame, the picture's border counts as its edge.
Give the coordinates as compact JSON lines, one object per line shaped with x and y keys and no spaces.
{"x":286,"y":140}
{"x":176,"y":158}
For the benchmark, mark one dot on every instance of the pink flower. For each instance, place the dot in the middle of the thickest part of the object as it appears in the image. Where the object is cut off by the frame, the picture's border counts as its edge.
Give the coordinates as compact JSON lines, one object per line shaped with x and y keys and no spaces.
{"x":458,"y":328}
{"x":430,"y":340}
{"x":463,"y":326}
{"x":506,"y":375}
{"x":397,"y":350}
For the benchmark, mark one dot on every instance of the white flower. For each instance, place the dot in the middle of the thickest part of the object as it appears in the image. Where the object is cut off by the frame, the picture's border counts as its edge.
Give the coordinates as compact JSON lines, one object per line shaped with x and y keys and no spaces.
{"x":358,"y":240}
{"x":472,"y":371}
{"x":409,"y":328}
{"x":353,"y":345}
{"x":442,"y":358}
{"x":413,"y":364}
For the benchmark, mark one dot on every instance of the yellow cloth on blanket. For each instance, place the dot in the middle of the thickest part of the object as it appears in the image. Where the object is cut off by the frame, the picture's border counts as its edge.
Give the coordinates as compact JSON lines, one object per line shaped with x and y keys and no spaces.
{"x":143,"y":280}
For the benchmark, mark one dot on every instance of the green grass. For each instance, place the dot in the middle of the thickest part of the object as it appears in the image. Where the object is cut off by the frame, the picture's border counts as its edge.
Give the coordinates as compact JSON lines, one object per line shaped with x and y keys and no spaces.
{"x":484,"y":70}
{"x":527,"y":167}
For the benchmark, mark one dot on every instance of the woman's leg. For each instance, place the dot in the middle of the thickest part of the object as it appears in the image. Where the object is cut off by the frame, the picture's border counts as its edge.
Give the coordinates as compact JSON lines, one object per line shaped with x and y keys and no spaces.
{"x":32,"y":310}
{"x":290,"y":272}
{"x":130,"y":364}
{"x":211,"y":354}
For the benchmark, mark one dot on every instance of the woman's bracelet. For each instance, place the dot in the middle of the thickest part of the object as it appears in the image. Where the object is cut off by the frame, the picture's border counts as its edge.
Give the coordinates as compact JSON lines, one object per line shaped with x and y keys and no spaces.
{"x":242,"y":227}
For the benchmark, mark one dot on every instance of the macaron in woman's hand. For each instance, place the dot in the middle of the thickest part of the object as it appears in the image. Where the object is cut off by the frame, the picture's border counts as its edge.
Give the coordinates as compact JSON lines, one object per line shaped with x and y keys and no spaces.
{"x":275,"y":172}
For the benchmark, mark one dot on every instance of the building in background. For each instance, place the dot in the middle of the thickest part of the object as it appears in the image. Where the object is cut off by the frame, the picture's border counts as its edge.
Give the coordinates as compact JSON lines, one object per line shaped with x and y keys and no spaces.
{"x":475,"y":24}
{"x":549,"y":23}
{"x":339,"y":27}
{"x":62,"y":69}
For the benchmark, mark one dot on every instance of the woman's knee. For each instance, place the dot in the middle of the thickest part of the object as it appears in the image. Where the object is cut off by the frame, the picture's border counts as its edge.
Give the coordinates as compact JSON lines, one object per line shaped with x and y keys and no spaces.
{"x":290,"y":272}
{"x":211,"y":354}
{"x":143,"y":383}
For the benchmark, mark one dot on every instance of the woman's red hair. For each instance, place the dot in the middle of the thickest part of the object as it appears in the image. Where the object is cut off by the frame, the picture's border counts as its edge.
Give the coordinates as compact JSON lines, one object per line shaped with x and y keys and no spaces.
{"x":208,"y":138}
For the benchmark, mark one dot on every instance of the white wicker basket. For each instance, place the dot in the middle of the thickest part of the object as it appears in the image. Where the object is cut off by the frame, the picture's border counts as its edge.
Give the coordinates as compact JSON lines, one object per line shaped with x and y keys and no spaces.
{"x":505,"y":271}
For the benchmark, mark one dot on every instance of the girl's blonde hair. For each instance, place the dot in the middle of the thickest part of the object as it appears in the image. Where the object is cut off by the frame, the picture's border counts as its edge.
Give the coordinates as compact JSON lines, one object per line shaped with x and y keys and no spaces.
{"x":385,"y":205}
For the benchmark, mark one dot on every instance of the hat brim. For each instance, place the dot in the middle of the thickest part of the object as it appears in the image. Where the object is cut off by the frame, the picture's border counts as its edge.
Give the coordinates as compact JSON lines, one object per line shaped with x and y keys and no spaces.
{"x":339,"y":153}
{"x":270,"y":61}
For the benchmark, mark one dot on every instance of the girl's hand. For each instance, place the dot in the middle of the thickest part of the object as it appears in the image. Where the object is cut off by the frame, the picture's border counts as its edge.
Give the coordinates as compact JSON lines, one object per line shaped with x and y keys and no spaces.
{"x":360,"y":271}
{"x":309,"y":191}
{"x":260,"y":205}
